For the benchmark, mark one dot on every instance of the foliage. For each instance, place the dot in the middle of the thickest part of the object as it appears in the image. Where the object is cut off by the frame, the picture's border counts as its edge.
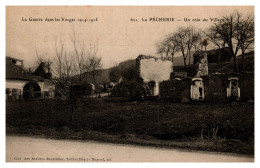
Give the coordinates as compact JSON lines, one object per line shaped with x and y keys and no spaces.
{"x":183,"y":40}
{"x":235,"y":31}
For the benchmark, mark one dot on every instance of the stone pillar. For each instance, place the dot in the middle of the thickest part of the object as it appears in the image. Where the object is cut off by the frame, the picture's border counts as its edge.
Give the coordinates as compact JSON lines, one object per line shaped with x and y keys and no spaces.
{"x":203,"y":66}
{"x":156,"y":89}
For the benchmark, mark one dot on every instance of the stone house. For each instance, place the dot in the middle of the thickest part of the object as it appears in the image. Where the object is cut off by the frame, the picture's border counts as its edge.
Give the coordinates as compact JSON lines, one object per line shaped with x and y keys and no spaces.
{"x":22,"y":85}
{"x":153,"y":71}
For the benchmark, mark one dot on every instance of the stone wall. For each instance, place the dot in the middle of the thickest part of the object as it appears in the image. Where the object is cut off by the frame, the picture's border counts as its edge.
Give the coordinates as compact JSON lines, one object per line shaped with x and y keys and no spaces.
{"x":15,"y":88}
{"x":153,"y":69}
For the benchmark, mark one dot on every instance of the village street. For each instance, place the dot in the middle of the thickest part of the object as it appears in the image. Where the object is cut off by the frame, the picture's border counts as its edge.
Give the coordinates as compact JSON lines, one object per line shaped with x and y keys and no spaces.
{"x":20,"y":149}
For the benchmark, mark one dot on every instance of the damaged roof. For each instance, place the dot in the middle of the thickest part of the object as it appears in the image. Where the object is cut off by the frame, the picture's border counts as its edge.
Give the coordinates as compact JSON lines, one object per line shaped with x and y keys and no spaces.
{"x":17,"y":72}
{"x":149,"y":57}
{"x":145,"y":57}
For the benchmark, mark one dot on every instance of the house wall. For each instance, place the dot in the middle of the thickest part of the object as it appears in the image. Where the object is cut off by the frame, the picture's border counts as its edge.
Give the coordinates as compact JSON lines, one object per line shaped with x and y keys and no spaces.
{"x":216,"y":87}
{"x":47,"y":86}
{"x":203,"y":66}
{"x":19,"y":84}
{"x":153,"y":69}
{"x":195,"y":94}
{"x":175,"y":90}
{"x":15,"y":84}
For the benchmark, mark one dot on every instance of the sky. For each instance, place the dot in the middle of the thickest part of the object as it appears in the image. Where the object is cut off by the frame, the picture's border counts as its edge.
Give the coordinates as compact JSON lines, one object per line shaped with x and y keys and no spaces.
{"x":114,"y":30}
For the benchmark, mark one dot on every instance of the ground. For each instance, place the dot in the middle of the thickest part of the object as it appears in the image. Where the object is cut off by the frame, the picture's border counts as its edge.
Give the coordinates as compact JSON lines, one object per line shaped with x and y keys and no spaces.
{"x":227,"y":127}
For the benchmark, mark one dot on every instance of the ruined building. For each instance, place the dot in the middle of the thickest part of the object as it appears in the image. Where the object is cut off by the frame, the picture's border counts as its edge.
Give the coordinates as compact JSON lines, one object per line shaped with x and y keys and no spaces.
{"x":214,"y":56}
{"x":142,"y":77}
{"x":187,"y":84}
{"x":22,"y":85}
{"x":149,"y":76}
{"x":153,"y":71}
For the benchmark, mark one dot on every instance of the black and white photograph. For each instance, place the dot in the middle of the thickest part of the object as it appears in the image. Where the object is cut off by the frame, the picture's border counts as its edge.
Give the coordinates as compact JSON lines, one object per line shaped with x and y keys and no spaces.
{"x":104,"y":84}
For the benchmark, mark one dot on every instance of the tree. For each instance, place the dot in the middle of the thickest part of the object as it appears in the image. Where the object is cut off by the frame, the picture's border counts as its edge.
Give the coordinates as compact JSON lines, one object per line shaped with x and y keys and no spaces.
{"x":193,"y":38}
{"x":168,"y":47}
{"x":205,"y":43}
{"x":62,"y":70}
{"x":67,"y":68}
{"x":63,"y":67}
{"x":85,"y":62}
{"x":43,"y":66}
{"x":80,"y":57}
{"x":163,"y":47}
{"x":94,"y":67}
{"x":197,"y":46}
{"x":185,"y":39}
{"x":236,"y":32}
{"x":216,"y":39}
{"x":172,"y":45}
{"x":246,"y":33}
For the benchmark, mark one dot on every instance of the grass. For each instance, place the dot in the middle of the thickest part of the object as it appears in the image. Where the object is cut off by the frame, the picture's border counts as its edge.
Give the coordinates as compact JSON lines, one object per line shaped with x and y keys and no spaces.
{"x":175,"y":125}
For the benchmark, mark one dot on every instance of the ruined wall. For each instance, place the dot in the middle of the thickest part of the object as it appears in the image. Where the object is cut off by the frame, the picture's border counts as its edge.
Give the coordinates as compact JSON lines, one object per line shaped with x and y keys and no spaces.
{"x":48,"y":89}
{"x":214,"y":56}
{"x":47,"y":85}
{"x":175,"y":90}
{"x":153,"y":69}
{"x":247,"y":88}
{"x":216,"y":87}
{"x":203,"y":66}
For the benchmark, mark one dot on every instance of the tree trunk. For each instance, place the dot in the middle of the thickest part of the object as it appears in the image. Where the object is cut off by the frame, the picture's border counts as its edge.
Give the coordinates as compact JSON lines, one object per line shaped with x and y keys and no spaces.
{"x":189,"y":57}
{"x":235,"y":63}
{"x":218,"y":56}
{"x":167,"y":56}
{"x":233,"y":55}
{"x":184,"y":59}
{"x":72,"y":114}
{"x":219,"y":53}
{"x":94,"y":79}
{"x":80,"y":77}
{"x":243,"y":54}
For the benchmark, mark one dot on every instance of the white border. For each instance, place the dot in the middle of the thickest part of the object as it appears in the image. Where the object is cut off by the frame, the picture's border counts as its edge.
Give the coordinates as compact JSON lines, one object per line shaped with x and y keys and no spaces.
{"x":4,"y":3}
{"x":129,"y":2}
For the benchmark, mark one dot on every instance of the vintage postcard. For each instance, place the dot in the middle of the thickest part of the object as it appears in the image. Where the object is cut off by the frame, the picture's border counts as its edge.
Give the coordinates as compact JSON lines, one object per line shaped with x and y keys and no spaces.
{"x":130,"y":84}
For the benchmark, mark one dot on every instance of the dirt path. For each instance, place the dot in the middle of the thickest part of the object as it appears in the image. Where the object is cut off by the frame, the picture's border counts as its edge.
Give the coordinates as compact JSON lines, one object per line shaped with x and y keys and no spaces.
{"x":20,"y":148}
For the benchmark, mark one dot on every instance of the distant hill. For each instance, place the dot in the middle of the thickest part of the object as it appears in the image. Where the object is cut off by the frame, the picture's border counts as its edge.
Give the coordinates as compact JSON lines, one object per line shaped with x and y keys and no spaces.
{"x":127,"y":63}
{"x":103,"y":74}
{"x":249,"y":55}
{"x":102,"y":78}
{"x":178,"y":60}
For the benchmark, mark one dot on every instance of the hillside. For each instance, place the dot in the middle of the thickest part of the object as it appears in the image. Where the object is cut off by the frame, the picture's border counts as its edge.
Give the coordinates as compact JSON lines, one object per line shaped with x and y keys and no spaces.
{"x":103,"y":74}
{"x":101,"y":78}
{"x":178,"y":60}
